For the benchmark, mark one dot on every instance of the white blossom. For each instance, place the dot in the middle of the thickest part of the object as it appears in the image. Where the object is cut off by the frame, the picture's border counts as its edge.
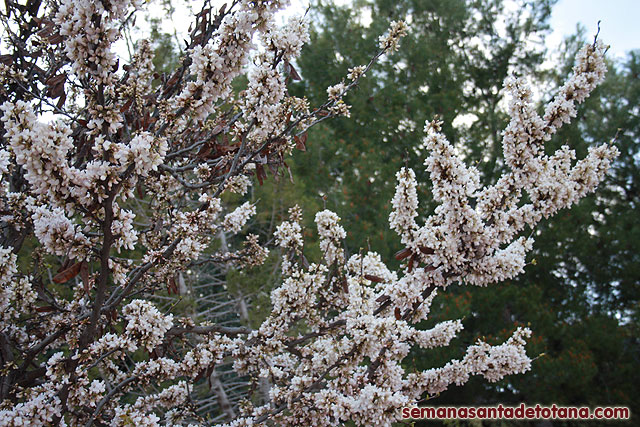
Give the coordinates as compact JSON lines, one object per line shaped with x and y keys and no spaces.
{"x":123,"y":194}
{"x":238,"y":184}
{"x":145,"y":323}
{"x":390,"y":41}
{"x":235,"y":220}
{"x":331,"y":234}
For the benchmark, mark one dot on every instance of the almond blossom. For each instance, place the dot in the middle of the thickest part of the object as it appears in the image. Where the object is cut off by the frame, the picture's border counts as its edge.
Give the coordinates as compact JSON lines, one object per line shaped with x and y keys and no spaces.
{"x":131,"y":187}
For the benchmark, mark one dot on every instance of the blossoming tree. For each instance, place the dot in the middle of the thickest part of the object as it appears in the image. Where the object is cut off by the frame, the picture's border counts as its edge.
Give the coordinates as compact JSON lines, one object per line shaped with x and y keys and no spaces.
{"x":123,"y":189}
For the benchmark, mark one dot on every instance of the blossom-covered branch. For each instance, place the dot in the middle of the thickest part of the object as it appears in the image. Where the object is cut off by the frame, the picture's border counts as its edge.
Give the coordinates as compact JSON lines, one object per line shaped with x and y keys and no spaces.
{"x":108,"y":205}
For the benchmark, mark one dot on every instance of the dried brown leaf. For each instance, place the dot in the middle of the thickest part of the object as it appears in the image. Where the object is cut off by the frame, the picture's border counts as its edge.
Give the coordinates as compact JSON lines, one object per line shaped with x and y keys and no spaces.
{"x":402,"y":254}
{"x":68,"y":274}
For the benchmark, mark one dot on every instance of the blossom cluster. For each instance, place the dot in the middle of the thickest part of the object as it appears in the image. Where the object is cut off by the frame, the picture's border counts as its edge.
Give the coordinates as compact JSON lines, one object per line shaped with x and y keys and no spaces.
{"x":90,"y":28}
{"x":235,"y":220}
{"x":216,"y":64}
{"x":133,"y":187}
{"x":377,"y":310}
